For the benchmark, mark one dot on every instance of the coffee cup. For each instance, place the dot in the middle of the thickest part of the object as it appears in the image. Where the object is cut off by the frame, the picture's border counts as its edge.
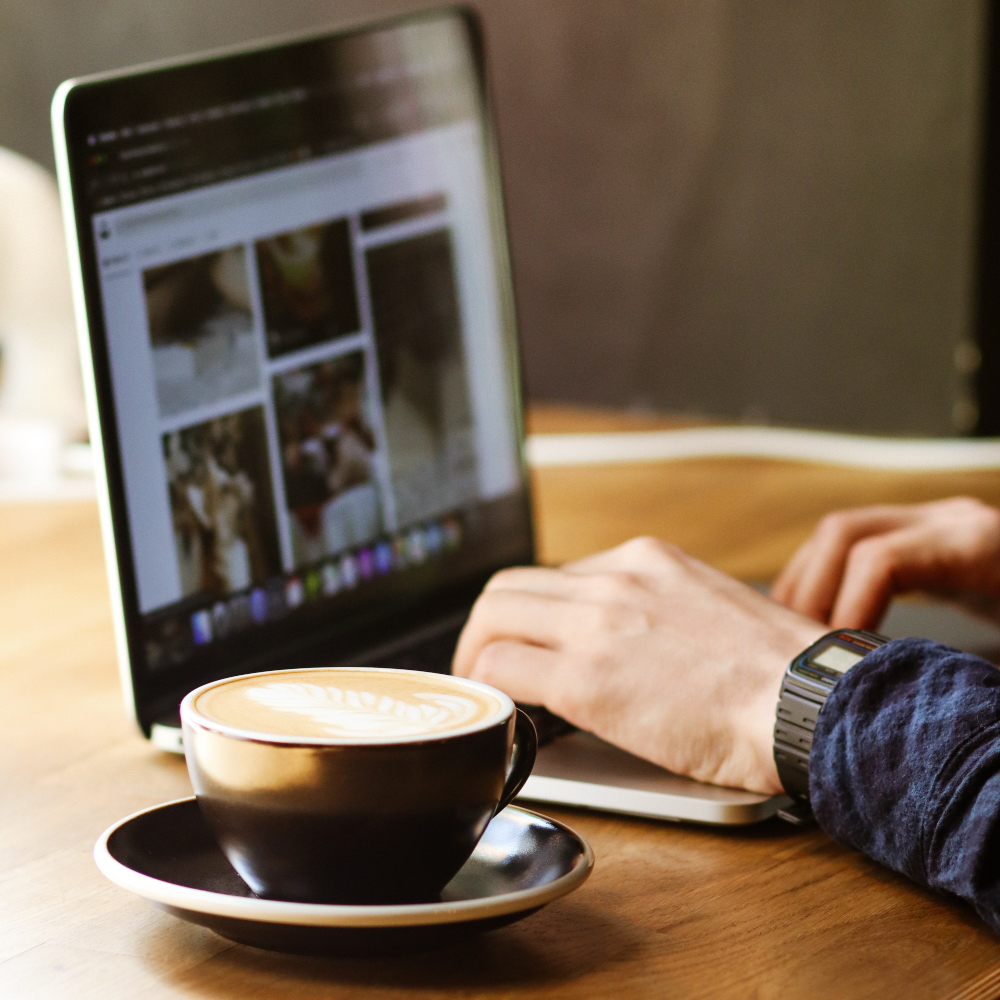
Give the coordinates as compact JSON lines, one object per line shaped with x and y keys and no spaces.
{"x":356,"y":786}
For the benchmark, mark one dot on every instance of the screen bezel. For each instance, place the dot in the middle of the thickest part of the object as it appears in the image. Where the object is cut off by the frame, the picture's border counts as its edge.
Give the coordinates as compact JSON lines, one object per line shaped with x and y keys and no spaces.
{"x":150,"y":695}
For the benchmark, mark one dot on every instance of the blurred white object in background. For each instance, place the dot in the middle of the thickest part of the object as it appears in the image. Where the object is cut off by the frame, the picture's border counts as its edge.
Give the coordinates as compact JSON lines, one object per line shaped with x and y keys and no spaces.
{"x":41,"y":395}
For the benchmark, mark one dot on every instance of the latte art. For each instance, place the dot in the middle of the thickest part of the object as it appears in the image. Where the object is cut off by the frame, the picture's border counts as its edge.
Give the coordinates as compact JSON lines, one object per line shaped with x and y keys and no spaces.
{"x":351,"y":704}
{"x":344,"y":712}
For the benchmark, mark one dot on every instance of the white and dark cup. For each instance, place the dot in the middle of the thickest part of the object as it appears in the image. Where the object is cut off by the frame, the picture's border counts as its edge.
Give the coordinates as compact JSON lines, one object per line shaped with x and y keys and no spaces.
{"x":355,"y":786}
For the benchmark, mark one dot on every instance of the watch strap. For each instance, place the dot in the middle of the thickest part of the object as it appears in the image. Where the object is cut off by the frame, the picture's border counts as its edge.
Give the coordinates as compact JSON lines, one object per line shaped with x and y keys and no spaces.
{"x":804,"y":691}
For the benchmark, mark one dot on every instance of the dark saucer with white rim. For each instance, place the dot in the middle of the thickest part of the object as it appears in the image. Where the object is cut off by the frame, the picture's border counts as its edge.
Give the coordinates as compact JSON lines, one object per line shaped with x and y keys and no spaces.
{"x":167,"y":855}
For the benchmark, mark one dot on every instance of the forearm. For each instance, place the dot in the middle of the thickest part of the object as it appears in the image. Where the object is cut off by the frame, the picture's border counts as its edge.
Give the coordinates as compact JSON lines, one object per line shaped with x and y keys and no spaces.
{"x":906,"y":768}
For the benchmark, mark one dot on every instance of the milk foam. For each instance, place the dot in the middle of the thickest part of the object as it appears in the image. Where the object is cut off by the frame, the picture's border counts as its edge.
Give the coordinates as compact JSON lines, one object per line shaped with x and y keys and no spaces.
{"x":349,"y":704}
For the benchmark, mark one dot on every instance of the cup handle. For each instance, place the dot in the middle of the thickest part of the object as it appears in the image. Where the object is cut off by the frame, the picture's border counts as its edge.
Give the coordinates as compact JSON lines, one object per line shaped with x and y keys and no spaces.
{"x":522,"y":758}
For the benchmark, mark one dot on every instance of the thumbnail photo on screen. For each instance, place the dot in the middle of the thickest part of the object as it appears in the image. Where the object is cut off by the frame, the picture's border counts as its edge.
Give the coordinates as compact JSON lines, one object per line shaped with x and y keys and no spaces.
{"x":428,"y":418}
{"x":327,"y":456}
{"x":201,"y":328}
{"x":307,"y":281}
{"x":222,"y":504}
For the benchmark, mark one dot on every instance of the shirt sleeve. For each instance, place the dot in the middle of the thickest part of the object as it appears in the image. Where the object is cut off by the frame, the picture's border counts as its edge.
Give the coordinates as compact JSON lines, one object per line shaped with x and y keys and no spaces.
{"x":905,"y":766}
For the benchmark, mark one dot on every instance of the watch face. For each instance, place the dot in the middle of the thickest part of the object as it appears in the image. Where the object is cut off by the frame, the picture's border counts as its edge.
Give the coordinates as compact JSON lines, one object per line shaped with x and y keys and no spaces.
{"x":829,"y":662}
{"x":836,"y":659}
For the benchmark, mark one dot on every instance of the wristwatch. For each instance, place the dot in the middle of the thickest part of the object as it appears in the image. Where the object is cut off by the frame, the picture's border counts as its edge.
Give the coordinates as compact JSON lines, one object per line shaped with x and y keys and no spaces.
{"x":807,"y":684}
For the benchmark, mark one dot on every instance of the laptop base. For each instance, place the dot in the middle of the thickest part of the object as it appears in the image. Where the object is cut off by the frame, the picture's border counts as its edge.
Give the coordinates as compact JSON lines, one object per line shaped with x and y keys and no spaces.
{"x":582,"y":770}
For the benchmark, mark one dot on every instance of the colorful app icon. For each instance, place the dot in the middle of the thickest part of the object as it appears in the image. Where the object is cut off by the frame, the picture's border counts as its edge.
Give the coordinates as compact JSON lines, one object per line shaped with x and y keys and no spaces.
{"x":416,"y":547}
{"x":220,"y":619}
{"x":331,"y":579}
{"x":349,"y":571}
{"x":366,"y":564}
{"x":294,"y":592}
{"x":433,"y":538}
{"x":258,"y":605}
{"x":201,"y":627}
{"x":314,"y":585}
{"x":384,"y":558}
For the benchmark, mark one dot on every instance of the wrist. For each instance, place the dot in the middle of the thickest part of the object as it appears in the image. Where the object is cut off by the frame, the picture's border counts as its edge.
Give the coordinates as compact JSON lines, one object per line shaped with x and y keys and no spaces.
{"x":758,"y":720}
{"x":808,"y":682}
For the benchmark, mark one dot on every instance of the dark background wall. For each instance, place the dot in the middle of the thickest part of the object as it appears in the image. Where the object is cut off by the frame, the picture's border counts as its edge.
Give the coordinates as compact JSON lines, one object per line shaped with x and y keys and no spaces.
{"x":759,"y":210}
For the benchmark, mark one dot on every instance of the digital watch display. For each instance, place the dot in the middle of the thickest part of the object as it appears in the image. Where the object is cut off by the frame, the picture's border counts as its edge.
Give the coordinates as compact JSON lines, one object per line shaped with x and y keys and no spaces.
{"x":807,"y":684}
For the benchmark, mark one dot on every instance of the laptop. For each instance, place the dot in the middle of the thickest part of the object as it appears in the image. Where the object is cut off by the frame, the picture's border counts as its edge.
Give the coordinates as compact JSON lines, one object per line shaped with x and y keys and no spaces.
{"x":297,"y":327}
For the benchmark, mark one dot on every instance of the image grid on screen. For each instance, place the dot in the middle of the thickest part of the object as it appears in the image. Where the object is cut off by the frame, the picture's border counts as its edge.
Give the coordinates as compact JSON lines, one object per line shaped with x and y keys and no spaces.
{"x":317,"y":382}
{"x":312,"y":393}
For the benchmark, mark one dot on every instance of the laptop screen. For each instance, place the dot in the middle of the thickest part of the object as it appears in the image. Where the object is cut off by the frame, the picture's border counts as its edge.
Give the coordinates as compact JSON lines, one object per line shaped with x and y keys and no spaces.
{"x":301,"y":326}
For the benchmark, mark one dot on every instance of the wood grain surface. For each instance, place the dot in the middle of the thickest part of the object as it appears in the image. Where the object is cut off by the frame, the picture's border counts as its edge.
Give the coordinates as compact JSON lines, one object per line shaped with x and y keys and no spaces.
{"x":670,"y":910}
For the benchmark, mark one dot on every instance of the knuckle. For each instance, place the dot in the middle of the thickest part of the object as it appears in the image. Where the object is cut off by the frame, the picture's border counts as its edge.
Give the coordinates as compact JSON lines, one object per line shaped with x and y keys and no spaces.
{"x":872,"y":555}
{"x":646,"y":548}
{"x":834,"y":527}
{"x":970,"y":509}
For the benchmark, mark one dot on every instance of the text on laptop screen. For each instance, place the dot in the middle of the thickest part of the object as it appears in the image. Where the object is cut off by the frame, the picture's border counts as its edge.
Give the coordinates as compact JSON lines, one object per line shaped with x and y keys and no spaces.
{"x":305,"y":338}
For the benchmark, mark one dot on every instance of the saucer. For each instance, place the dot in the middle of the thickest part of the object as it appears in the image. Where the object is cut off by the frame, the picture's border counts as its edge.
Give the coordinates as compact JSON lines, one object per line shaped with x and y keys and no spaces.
{"x":167,"y":855}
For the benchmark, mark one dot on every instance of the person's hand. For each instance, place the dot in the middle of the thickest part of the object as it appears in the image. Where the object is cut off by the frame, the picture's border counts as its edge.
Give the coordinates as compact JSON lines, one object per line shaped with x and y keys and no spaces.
{"x":649,"y":649}
{"x":846,"y":574}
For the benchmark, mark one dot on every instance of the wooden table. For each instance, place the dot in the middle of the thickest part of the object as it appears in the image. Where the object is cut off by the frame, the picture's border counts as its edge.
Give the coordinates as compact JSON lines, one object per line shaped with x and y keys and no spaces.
{"x":670,"y":910}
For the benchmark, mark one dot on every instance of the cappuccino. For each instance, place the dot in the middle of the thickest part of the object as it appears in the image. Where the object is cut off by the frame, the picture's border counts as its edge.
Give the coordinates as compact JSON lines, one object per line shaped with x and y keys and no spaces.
{"x":344,"y":704}
{"x":356,"y":786}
